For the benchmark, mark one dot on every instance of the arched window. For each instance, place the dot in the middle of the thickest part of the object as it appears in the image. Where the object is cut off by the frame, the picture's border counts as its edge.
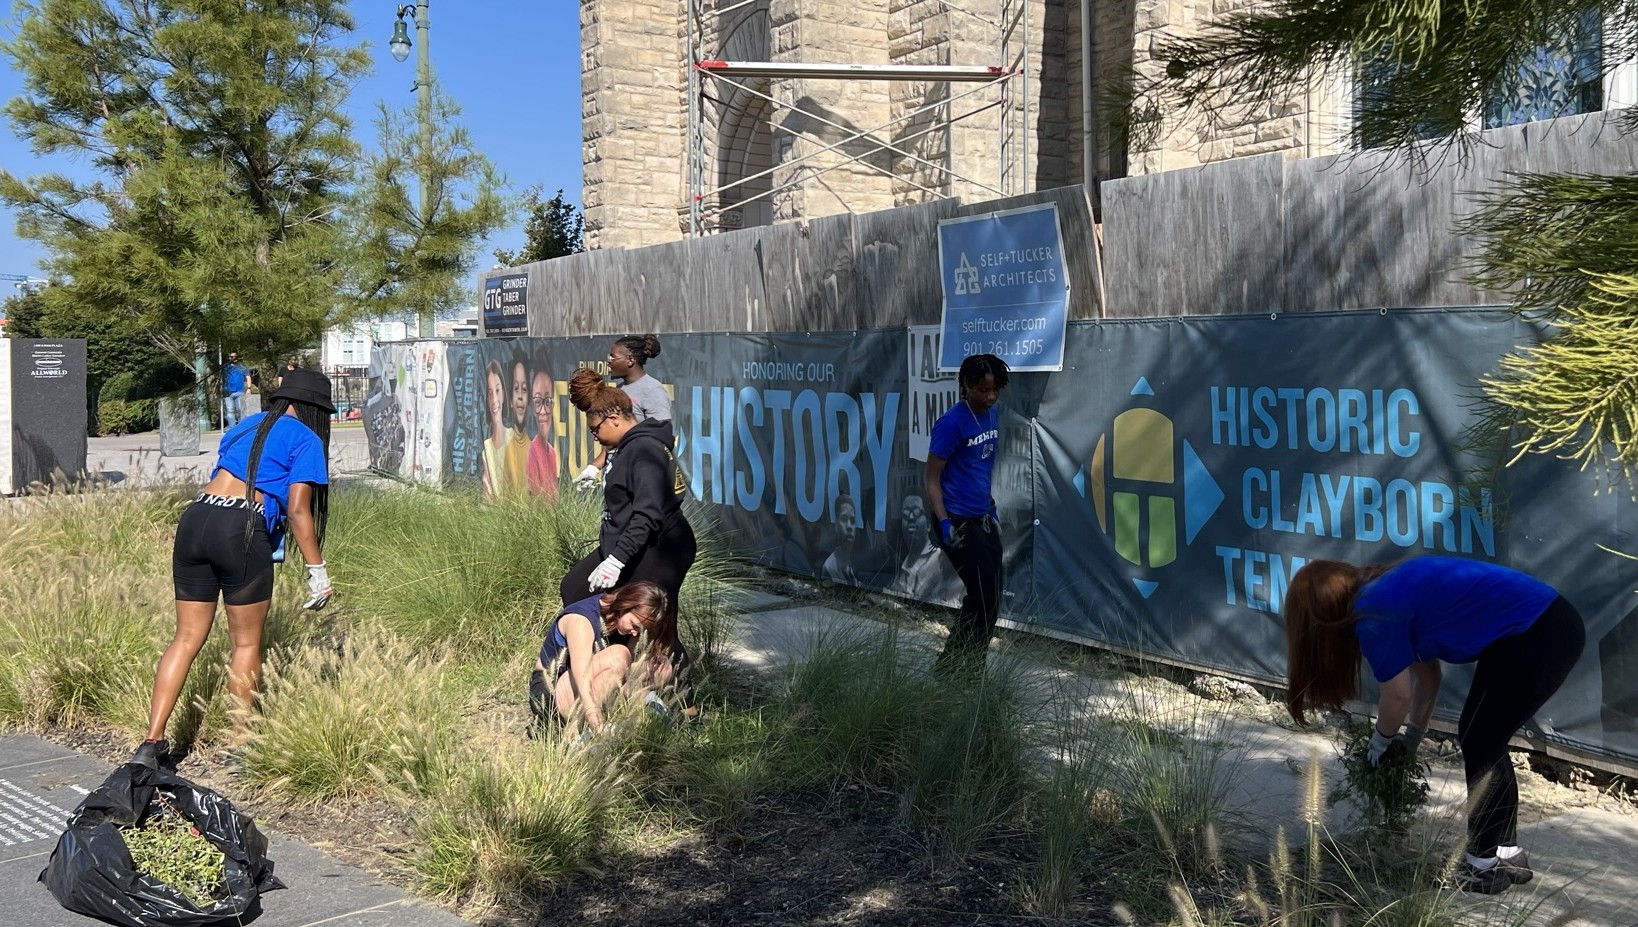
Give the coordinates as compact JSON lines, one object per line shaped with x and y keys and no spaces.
{"x":743,"y":149}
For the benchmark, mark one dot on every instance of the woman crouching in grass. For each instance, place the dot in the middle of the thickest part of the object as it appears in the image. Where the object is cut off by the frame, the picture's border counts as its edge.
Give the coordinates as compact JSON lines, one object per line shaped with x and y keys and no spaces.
{"x":588,"y":654}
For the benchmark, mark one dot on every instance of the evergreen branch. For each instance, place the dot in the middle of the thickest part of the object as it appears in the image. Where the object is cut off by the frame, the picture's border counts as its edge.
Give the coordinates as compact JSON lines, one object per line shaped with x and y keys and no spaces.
{"x":1575,"y":395}
{"x":1422,"y":65}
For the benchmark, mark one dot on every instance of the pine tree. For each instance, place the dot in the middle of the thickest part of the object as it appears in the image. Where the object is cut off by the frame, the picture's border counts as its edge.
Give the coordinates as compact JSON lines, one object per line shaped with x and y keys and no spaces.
{"x":222,"y":155}
{"x":554,"y":228}
{"x":404,"y":259}
{"x":1562,"y":245}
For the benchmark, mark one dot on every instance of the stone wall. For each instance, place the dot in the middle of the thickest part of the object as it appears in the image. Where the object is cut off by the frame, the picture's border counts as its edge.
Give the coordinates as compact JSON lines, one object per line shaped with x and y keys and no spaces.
{"x":633,"y":120}
{"x":918,"y":32}
{"x":738,"y":126}
{"x":819,"y":114}
{"x":636,"y":108}
{"x":1308,"y":122}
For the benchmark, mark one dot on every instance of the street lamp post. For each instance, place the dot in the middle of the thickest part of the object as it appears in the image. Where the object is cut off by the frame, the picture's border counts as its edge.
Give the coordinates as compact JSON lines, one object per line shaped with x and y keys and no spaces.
{"x":400,"y":48}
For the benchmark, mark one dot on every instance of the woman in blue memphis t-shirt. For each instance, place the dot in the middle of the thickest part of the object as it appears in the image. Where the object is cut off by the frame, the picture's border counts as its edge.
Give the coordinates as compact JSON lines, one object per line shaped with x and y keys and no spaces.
{"x":960,"y":463}
{"x":226,"y":541}
{"x":1404,"y":620}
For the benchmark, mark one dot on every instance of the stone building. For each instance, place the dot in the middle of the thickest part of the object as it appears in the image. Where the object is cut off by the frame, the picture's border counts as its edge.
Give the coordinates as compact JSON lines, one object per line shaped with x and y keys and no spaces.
{"x":763,"y":149}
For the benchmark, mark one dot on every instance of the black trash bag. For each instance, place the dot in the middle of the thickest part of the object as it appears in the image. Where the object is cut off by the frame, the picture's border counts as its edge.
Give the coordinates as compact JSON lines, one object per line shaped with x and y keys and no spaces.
{"x":91,"y":871}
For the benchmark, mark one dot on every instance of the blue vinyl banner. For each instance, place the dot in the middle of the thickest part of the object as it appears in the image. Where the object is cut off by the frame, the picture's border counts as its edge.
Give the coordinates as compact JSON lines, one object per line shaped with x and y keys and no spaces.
{"x":1006,"y":290}
{"x":1187,"y":468}
{"x":1156,"y":494}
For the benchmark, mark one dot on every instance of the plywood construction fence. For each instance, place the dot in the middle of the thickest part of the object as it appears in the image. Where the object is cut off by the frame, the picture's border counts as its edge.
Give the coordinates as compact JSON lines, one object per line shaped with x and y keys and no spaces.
{"x":1253,"y":235}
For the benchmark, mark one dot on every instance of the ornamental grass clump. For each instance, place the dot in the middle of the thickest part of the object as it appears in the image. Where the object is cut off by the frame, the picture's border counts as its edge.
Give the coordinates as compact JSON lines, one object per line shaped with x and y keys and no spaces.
{"x":1389,"y":795}
{"x":170,"y":849}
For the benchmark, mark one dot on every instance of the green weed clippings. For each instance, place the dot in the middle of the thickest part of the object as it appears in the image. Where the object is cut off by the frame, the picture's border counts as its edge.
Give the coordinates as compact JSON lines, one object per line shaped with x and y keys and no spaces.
{"x":1390,"y":795}
{"x":167,"y":847}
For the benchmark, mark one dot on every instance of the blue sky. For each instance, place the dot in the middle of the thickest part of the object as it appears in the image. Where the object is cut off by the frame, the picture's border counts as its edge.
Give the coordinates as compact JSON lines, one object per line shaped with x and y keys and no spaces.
{"x":513,"y":66}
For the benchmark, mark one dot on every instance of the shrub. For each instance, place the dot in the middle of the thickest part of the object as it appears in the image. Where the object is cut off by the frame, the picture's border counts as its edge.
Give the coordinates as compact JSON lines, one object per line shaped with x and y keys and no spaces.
{"x":121,"y":409}
{"x":341,"y":722}
{"x":127,"y":416}
{"x":1388,"y":796}
{"x":513,"y":821}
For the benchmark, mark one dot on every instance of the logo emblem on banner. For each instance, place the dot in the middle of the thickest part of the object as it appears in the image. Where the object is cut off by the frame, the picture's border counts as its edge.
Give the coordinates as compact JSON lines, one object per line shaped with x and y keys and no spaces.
{"x":966,"y":278}
{"x":1132,"y":482}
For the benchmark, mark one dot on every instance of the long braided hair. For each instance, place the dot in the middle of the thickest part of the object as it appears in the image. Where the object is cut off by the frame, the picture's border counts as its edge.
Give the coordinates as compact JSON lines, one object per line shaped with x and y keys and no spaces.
{"x":313,"y":417}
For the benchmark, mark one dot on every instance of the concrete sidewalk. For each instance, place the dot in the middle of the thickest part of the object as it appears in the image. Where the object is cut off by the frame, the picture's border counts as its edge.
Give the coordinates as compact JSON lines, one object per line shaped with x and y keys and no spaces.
{"x":41,"y":783}
{"x":1584,"y":848}
{"x":134,"y":460}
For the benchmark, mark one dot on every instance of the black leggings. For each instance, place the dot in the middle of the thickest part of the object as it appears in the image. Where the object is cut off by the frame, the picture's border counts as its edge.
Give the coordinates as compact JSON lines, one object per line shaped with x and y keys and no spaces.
{"x":1514,"y":678}
{"x":665,"y":563}
{"x":976,"y":555}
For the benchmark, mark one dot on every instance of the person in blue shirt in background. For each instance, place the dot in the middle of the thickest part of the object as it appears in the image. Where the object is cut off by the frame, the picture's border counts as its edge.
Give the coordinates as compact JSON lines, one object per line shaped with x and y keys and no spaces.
{"x":234,"y":378}
{"x":271,"y":476}
{"x":1404,"y":620}
{"x":960,"y":464}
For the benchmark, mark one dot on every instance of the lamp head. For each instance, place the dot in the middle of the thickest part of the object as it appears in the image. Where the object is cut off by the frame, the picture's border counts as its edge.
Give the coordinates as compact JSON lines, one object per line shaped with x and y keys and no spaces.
{"x":399,"y":44}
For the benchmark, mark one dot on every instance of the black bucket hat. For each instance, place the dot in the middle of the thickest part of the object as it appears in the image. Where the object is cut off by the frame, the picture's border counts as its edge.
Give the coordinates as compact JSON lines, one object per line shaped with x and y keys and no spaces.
{"x":307,"y":386}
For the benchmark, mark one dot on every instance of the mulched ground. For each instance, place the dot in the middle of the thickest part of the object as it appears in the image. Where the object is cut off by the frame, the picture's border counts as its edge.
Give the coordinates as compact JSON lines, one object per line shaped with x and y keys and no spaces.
{"x":804,"y":859}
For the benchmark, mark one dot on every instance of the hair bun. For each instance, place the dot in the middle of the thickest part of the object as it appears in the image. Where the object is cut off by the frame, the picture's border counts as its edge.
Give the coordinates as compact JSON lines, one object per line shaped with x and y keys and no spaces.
{"x":583,"y":387}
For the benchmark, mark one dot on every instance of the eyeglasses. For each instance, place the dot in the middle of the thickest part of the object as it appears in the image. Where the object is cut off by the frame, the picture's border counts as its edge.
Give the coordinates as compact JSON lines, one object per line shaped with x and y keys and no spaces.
{"x":597,"y":425}
{"x":615,"y":357}
{"x":541,"y":405}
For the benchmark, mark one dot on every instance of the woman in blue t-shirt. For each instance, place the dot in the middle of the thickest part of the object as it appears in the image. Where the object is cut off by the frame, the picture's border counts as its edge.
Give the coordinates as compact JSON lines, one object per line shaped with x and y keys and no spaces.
{"x":960,"y":463}
{"x":587,"y":655}
{"x":1406,"y":619}
{"x":229,"y":539}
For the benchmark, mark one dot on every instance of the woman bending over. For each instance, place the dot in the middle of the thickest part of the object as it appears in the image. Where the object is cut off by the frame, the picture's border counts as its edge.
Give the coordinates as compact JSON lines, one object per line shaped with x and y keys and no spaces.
{"x":1406,"y":619}
{"x":272,"y":476}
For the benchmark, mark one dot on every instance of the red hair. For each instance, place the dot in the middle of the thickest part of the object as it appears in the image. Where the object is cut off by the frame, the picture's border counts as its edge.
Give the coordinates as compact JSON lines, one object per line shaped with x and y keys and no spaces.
{"x":646,"y":596}
{"x":1321,"y":647}
{"x":590,"y":393}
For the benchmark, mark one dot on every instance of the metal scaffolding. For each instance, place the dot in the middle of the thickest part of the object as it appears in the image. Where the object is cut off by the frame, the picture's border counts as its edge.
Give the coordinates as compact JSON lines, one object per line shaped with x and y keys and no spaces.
{"x":1001,"y":88}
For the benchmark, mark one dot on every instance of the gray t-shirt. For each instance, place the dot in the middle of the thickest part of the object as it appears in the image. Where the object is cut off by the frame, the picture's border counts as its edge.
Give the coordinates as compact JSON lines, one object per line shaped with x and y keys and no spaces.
{"x":648,"y":399}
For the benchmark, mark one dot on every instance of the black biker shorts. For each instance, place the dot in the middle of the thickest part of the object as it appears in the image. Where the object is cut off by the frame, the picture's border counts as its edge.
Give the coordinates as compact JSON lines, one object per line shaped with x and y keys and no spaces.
{"x":222,"y":549}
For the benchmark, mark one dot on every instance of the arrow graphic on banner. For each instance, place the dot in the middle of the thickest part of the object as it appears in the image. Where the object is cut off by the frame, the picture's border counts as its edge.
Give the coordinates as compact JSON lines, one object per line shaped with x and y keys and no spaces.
{"x":1131,"y":481}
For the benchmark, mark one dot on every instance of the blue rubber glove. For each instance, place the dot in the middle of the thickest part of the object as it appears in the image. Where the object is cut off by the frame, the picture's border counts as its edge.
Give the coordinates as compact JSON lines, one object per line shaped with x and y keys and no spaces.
{"x":946,"y":532}
{"x":1412,"y":738}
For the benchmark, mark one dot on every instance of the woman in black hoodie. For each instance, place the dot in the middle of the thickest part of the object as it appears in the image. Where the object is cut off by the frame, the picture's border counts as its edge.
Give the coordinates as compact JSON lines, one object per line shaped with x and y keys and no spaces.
{"x":644,"y":533}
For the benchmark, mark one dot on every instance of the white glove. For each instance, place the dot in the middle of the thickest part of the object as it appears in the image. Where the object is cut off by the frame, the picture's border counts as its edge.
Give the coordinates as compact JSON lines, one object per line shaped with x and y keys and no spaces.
{"x":1379,"y":745}
{"x":319,"y":590}
{"x":588,"y":477}
{"x":606,"y":574}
